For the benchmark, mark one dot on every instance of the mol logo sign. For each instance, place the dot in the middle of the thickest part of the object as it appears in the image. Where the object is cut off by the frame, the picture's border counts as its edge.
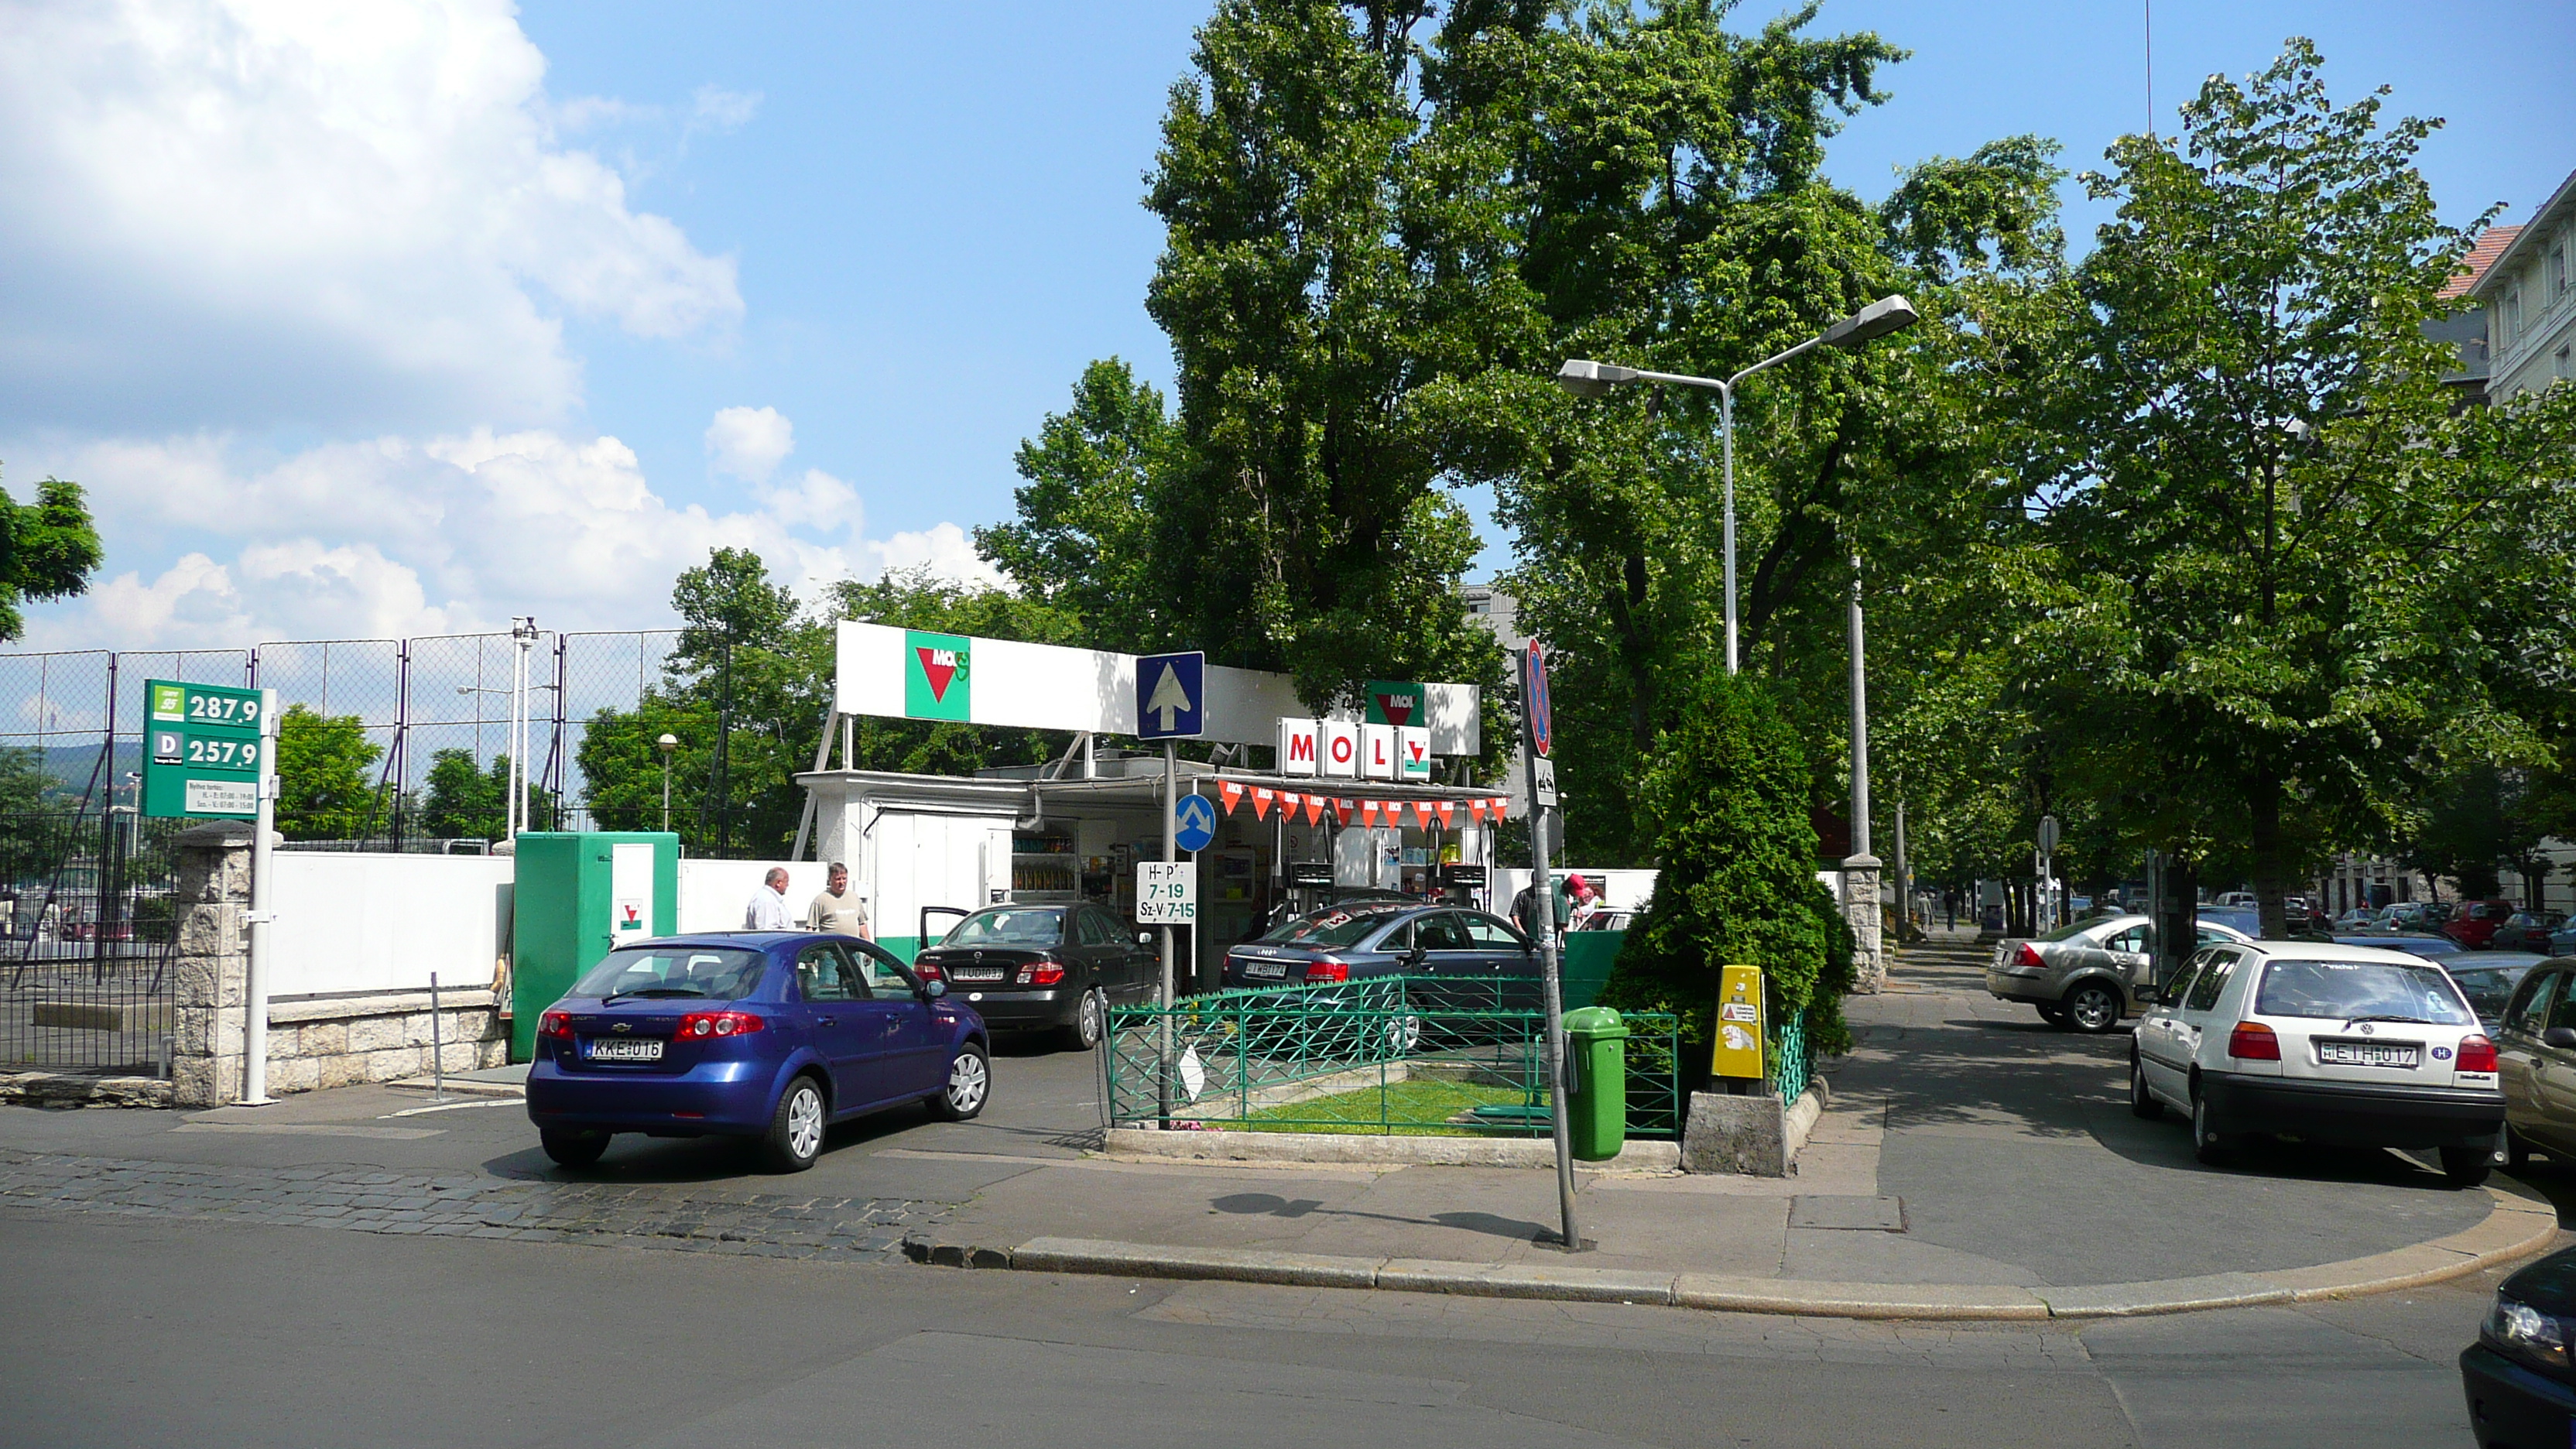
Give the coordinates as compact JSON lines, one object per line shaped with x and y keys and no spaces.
{"x":938,"y":675}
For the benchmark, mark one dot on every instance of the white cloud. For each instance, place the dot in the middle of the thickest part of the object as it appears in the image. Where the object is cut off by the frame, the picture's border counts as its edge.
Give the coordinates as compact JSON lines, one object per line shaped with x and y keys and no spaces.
{"x":718,"y":109}
{"x":748,"y":443}
{"x":252,"y":213}
{"x":393,"y":537}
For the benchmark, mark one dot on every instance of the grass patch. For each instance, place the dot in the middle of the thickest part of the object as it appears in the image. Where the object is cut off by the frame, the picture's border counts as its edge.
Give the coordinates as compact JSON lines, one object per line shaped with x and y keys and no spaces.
{"x":1420,"y":1107}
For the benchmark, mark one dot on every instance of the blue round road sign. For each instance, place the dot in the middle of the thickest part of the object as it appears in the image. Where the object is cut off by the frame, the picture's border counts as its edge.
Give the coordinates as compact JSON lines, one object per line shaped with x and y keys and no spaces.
{"x":1193,"y":822}
{"x":1534,"y":701}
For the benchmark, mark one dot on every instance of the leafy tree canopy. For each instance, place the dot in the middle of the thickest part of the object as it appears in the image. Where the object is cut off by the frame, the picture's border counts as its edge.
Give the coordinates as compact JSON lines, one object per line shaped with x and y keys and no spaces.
{"x":324,"y":787}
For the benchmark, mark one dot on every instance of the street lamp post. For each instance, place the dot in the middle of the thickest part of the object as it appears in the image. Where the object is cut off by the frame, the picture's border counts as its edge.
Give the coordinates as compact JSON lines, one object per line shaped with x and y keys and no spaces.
{"x":666,"y":744}
{"x":1585,"y":378}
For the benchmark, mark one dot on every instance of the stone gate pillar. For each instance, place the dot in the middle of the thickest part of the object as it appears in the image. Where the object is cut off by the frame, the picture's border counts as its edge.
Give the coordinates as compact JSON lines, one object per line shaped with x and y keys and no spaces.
{"x":1868,"y":924}
{"x":211,"y":976}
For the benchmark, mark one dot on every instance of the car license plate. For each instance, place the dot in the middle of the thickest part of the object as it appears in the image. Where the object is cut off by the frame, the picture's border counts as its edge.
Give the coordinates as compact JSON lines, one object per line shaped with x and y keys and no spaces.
{"x":977,"y":973}
{"x":2369,"y":1054}
{"x":1268,"y":970}
{"x":623,"y":1049}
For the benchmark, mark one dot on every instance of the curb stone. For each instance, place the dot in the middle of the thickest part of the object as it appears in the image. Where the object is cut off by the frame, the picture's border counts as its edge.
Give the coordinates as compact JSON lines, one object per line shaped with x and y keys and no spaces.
{"x":2516,"y":1228}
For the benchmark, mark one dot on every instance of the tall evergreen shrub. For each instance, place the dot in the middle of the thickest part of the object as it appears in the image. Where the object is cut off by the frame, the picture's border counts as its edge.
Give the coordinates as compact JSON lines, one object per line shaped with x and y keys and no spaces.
{"x":1726,"y":800}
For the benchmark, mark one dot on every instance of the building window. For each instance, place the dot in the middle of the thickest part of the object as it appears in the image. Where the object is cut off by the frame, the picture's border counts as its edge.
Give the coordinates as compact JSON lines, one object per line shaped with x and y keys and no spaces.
{"x":2561,"y":369}
{"x":2557,"y":271}
{"x":2509,"y":318}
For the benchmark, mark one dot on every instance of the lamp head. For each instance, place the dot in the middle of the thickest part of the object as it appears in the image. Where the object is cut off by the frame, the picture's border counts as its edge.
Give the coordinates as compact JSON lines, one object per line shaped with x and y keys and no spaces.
{"x":667,"y":743}
{"x":1887,"y":314}
{"x":1586,"y":378}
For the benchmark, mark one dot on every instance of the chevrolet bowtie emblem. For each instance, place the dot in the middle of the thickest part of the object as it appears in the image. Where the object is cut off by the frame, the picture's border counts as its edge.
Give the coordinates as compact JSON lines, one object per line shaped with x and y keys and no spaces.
{"x":621,"y":1026}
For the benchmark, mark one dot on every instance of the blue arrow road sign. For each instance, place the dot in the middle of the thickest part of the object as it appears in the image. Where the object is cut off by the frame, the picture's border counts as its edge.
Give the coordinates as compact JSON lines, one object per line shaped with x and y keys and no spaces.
{"x":1169,"y":705}
{"x":1193,"y":822}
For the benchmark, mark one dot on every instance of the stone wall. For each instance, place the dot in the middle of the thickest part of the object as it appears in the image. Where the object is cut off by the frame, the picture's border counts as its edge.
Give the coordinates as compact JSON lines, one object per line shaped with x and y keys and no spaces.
{"x":312,"y":1043}
{"x":1868,"y":923}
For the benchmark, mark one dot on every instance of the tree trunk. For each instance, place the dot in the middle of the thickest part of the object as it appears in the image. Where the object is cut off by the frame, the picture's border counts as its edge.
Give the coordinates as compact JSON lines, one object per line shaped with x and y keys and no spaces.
{"x":2271,"y":867}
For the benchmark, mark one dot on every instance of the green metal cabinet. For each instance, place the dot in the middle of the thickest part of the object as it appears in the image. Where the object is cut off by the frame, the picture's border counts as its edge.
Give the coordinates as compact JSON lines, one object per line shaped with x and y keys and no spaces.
{"x":575,"y":895}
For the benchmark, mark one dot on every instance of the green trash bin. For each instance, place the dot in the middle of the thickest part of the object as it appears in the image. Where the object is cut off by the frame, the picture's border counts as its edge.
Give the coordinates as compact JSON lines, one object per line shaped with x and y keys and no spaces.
{"x":1596,"y":1102}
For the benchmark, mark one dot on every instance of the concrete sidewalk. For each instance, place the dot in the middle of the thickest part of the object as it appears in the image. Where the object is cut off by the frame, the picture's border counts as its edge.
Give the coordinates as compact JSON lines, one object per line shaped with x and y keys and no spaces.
{"x":1972,"y":1163}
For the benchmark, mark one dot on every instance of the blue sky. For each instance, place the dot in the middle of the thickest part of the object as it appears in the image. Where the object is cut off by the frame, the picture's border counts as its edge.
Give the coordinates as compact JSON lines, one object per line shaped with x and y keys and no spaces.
{"x":453,"y":312}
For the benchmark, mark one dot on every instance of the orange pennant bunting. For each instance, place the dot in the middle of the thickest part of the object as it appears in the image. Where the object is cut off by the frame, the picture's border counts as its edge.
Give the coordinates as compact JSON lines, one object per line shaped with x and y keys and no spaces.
{"x":1500,"y":805}
{"x":1314,"y":808}
{"x":1448,"y":814}
{"x":1261,"y":803}
{"x":1476,"y":811}
{"x":1232,"y":791}
{"x":1422,"y":814}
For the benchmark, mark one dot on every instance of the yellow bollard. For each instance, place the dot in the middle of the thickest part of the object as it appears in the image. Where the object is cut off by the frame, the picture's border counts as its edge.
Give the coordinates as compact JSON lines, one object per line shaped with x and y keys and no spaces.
{"x":1738,"y":1051}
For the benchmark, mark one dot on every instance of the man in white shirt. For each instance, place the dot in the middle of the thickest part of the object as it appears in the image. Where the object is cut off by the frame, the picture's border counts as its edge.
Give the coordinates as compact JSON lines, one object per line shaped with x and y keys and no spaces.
{"x":768,"y":908}
{"x":839,"y":909}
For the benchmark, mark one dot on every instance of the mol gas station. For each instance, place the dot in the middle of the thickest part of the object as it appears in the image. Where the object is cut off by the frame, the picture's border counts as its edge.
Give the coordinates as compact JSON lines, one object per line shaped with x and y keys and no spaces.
{"x":1301,"y":805}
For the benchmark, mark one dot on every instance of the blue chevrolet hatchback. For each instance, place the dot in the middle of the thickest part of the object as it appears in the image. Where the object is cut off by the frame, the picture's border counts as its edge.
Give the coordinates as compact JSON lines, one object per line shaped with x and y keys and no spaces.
{"x":764,"y":1035}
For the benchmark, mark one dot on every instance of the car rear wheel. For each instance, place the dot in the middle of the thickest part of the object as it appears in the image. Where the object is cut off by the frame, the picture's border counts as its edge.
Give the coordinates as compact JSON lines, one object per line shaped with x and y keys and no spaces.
{"x":2141,"y":1101}
{"x":970,"y":1081}
{"x":2466,"y":1166}
{"x":795,"y":1136}
{"x":573,"y":1149}
{"x":1089,"y":1021}
{"x":2210,"y":1146}
{"x":2094,"y":1007}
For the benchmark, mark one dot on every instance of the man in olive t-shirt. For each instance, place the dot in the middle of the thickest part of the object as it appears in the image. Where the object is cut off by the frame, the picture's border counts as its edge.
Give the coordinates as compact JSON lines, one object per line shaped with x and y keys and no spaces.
{"x":839,"y":909}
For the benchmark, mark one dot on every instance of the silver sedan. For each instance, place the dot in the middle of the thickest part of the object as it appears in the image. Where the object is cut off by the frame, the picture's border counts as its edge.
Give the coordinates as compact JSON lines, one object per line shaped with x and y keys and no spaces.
{"x":2086,"y":976}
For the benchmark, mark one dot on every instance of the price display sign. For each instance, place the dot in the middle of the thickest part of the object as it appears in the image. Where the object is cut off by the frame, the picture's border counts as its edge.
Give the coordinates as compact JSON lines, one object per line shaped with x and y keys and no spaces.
{"x":205,"y":750}
{"x":1167,"y":893}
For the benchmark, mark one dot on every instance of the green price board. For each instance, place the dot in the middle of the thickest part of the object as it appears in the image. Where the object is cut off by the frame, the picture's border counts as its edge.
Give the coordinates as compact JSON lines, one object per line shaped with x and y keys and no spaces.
{"x":205,"y":750}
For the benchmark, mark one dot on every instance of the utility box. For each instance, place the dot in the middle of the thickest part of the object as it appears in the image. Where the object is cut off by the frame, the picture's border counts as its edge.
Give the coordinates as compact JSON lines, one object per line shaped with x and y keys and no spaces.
{"x":1738,"y":1030}
{"x":1596,"y":1098}
{"x":575,"y":897}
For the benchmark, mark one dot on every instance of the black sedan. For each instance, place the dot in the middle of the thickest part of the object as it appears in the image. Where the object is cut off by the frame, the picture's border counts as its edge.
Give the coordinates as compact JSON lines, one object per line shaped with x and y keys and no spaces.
{"x":1490,"y":963}
{"x":2520,"y":1389}
{"x":1045,"y":968}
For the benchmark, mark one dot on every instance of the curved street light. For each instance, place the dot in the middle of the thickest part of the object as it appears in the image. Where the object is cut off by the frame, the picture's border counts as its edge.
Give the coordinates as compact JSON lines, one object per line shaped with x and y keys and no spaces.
{"x":1586,"y":378}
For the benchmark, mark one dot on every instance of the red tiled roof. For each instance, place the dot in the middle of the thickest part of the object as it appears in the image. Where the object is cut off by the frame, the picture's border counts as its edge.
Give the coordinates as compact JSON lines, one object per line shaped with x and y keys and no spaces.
{"x":2482,"y":256}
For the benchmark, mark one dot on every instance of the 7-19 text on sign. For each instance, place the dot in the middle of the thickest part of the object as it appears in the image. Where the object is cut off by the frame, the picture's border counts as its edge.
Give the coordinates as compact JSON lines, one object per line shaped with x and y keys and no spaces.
{"x":1167,"y":893}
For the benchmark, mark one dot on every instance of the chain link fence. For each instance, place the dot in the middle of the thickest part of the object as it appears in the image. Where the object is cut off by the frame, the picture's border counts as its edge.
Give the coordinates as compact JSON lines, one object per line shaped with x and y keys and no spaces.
{"x":71,"y":723}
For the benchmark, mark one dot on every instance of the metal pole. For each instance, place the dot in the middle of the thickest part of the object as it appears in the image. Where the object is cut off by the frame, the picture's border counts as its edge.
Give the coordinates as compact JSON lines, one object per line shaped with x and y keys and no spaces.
{"x":437,"y":1042}
{"x":1544,"y":903}
{"x":666,"y":791}
{"x":1726,"y":429}
{"x":1859,"y":725}
{"x":1904,"y":876}
{"x":1171,"y":853}
{"x":255,"y":981}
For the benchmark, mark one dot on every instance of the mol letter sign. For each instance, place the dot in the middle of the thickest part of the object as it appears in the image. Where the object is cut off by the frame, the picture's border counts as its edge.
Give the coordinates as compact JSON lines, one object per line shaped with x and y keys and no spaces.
{"x":1377,"y":751}
{"x":1413,"y":754}
{"x":1339,"y":744}
{"x":1296,"y":747}
{"x":938,"y":676}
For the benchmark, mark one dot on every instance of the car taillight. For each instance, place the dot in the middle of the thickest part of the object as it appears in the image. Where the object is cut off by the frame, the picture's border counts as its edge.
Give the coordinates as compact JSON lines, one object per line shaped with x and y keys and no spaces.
{"x":2252,"y":1041}
{"x":1329,"y":969}
{"x":926,"y":970}
{"x":556,"y":1024}
{"x":2477,"y":1054}
{"x":2028,"y":955}
{"x":1042,"y":973}
{"x":718,"y":1023}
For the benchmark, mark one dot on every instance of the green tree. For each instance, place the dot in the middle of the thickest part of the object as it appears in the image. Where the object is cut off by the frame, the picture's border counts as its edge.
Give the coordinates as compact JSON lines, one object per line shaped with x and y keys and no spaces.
{"x":48,"y":550}
{"x":1316,"y":277}
{"x":2263,"y":526}
{"x":1083,"y":540}
{"x":466,"y":803}
{"x":1726,"y":798}
{"x":323,"y":789}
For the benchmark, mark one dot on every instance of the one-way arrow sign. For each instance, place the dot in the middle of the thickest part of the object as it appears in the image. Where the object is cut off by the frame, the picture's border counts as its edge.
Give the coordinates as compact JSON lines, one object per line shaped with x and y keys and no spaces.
{"x":1169,"y":702}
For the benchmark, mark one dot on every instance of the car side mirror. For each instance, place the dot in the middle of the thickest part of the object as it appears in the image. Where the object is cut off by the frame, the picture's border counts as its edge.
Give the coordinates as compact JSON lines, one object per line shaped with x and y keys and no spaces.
{"x":933,"y":989}
{"x":2559,"y":1036}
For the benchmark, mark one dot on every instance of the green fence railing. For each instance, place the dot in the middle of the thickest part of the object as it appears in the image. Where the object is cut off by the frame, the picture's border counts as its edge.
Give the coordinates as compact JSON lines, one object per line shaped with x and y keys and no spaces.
{"x":1793,"y":1060}
{"x":1404,"y":1055}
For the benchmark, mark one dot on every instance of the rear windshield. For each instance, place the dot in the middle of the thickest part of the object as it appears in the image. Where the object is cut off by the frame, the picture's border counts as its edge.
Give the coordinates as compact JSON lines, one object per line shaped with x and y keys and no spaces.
{"x":712,"y":973}
{"x":2362,"y":991}
{"x":1340,"y":926}
{"x":2068,"y":932}
{"x":1009,"y":928}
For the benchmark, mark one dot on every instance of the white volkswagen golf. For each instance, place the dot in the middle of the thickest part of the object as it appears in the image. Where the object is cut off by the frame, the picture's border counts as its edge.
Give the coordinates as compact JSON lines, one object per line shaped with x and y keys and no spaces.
{"x":2325,"y":1043}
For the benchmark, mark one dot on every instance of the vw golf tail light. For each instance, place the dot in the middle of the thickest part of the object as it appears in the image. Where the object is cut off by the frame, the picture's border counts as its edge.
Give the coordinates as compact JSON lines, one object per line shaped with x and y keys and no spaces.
{"x":2252,"y":1041}
{"x":2477,"y":1054}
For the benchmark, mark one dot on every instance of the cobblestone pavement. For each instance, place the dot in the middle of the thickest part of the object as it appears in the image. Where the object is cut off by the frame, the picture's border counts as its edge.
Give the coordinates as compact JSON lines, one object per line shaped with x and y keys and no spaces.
{"x":697,"y":1219}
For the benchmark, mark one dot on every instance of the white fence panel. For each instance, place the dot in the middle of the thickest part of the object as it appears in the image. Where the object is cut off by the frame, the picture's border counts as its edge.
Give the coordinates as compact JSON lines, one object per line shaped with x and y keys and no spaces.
{"x":356,"y":922}
{"x":715,"y":894}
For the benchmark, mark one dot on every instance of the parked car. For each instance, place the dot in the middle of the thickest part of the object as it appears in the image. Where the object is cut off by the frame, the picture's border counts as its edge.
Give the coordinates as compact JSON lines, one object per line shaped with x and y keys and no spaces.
{"x":2405,"y":916}
{"x":1366,"y":939}
{"x":2328,"y":1043}
{"x":2516,"y":1375}
{"x":1607,"y":921}
{"x":2413,"y":943}
{"x":2244,"y":900}
{"x":2356,"y":919}
{"x":2527,"y":931}
{"x":2487,"y":978}
{"x":766,"y":1035}
{"x":2243,"y":920}
{"x":2088,"y":975}
{"x":2562,"y":942}
{"x":1045,"y":968}
{"x":2537,"y":1041}
{"x":2474,"y":924}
